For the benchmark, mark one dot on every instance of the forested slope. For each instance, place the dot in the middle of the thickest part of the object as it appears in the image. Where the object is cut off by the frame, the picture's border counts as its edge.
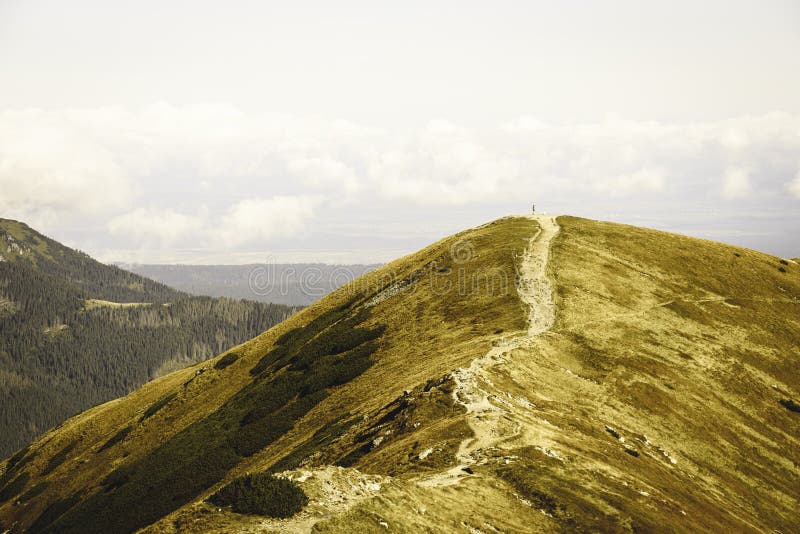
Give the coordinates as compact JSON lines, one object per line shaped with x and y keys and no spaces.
{"x":67,"y":344}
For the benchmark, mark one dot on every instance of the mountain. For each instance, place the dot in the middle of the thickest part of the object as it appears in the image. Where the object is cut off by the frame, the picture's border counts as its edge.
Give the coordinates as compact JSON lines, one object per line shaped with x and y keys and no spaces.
{"x":298,"y":284}
{"x":21,"y":246}
{"x":75,"y":332}
{"x":532,"y":374}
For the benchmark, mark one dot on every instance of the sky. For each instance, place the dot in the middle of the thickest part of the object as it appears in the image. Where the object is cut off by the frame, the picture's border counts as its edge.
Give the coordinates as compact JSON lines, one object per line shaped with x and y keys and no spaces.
{"x":355,"y":132}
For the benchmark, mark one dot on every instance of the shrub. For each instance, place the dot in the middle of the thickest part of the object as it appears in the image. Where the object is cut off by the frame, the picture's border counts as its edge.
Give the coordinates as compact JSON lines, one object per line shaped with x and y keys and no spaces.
{"x":156,"y":406}
{"x":14,"y":464}
{"x":16,"y":459}
{"x":790,"y":405}
{"x":226,"y":360}
{"x":262,"y":494}
{"x":53,"y":512}
{"x":526,"y":483}
{"x":321,"y":439}
{"x":35,"y":491}
{"x":116,"y":438}
{"x":14,"y":487}
{"x":58,"y":459}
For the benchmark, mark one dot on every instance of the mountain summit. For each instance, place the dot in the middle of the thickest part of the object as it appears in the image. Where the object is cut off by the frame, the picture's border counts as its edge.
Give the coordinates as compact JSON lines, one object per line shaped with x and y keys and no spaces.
{"x":532,"y":374}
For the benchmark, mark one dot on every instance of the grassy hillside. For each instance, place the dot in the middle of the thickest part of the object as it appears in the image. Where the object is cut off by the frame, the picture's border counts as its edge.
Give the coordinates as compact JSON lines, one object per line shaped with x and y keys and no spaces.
{"x":664,"y":396}
{"x":75,"y":332}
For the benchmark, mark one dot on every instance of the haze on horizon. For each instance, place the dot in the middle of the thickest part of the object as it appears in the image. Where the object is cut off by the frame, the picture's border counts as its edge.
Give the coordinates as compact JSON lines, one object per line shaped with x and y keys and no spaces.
{"x":210,"y":132}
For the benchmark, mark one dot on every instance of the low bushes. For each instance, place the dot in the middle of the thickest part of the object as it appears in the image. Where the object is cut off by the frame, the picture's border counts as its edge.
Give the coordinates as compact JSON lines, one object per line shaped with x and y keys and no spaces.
{"x":262,"y":494}
{"x":116,"y":438}
{"x":58,"y":459}
{"x":156,"y":406}
{"x":35,"y":491}
{"x":53,"y":512}
{"x":14,"y":465}
{"x":287,"y":385}
{"x":790,"y":405}
{"x":14,"y":487}
{"x":226,"y":360}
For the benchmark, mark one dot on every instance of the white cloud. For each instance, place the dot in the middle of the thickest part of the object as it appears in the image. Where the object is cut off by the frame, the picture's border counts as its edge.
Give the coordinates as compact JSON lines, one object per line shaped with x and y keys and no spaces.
{"x":265,"y":218}
{"x":151,"y":225}
{"x":646,"y":179}
{"x":794,"y":186}
{"x":108,"y":167}
{"x":49,"y":167}
{"x":736,"y":183}
{"x":96,"y":159}
{"x":325,"y":173}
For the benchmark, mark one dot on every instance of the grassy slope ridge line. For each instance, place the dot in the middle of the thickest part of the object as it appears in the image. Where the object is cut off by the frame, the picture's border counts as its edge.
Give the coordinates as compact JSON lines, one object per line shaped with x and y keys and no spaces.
{"x":653,"y":402}
{"x":488,"y":419}
{"x":199,"y":457}
{"x":225,"y":413}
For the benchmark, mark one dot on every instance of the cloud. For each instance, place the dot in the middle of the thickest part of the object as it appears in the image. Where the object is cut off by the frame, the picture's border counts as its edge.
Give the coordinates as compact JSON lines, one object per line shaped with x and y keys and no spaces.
{"x":325,"y":173}
{"x":736,"y":183}
{"x":96,"y":160}
{"x":142,"y":173}
{"x":151,"y":225}
{"x":265,"y":218}
{"x":646,"y":179}
{"x":794,"y":186}
{"x":49,"y":166}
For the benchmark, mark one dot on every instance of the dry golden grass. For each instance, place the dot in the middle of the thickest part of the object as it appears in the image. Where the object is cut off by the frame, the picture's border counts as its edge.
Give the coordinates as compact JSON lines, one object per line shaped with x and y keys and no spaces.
{"x":431,"y":330}
{"x":652,"y":404}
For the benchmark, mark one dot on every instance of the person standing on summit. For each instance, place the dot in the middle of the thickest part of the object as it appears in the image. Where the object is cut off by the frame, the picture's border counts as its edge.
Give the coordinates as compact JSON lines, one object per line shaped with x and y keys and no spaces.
{"x":533,"y":208}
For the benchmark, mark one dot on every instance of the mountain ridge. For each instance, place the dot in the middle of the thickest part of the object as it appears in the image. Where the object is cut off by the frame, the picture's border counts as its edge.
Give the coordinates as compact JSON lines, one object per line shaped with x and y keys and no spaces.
{"x":19,"y":242}
{"x":75,"y":332}
{"x":660,"y":395}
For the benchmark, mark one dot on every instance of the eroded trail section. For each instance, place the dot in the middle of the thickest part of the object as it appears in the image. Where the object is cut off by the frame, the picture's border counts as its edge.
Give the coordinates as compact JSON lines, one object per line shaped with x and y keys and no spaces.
{"x":490,"y":411}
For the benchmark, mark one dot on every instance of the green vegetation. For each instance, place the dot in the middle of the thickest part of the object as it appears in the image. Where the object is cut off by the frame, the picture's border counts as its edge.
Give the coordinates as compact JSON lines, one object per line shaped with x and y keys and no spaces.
{"x":262,"y":494}
{"x":116,"y":438}
{"x":156,"y":406}
{"x":106,"y":351}
{"x":680,"y":345}
{"x":524,"y":481}
{"x":35,"y":491}
{"x":14,"y":464}
{"x":226,"y":360}
{"x":322,"y":438}
{"x":58,"y":458}
{"x":288,"y":385}
{"x":14,"y":487}
{"x":790,"y":405}
{"x":53,"y":512}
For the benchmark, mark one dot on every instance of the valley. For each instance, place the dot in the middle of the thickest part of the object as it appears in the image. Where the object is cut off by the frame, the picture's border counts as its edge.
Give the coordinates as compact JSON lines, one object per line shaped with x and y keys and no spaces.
{"x":75,"y":333}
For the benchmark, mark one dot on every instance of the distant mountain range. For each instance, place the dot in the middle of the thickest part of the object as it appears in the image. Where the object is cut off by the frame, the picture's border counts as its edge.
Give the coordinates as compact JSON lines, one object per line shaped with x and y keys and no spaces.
{"x":75,"y":332}
{"x":298,"y":284}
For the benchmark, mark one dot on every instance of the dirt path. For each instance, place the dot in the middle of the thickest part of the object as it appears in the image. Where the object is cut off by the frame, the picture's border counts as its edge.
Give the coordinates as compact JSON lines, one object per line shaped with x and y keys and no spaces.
{"x":487,"y":411}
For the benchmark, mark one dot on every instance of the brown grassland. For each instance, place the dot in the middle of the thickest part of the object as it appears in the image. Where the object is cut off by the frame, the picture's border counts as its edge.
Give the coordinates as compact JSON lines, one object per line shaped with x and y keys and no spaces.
{"x":654,"y":403}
